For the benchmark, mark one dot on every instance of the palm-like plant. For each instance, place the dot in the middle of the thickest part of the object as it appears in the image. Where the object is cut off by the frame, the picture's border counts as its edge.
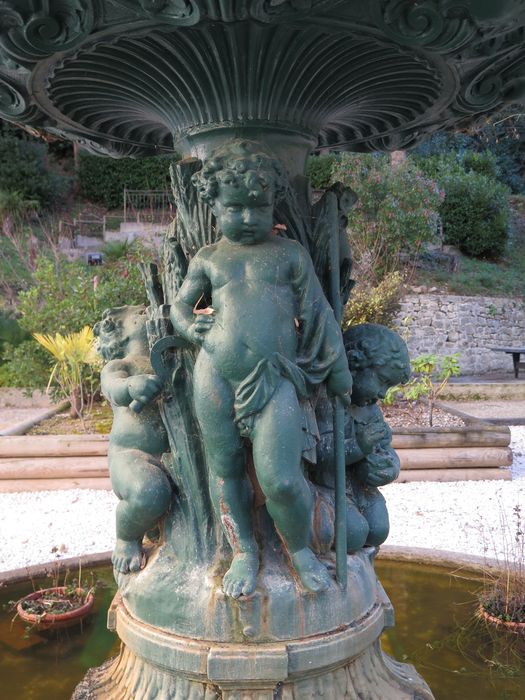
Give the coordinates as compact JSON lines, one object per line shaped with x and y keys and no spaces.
{"x":73,"y":353}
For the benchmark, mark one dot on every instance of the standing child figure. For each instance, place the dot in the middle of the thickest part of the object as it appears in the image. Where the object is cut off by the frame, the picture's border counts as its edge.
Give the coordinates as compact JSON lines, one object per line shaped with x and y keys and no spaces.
{"x":138,"y":437}
{"x":268,"y":338}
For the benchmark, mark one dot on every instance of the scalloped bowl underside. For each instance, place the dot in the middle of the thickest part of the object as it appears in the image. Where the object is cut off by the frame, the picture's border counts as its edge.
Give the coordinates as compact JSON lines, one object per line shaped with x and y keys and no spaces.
{"x":162,"y":85}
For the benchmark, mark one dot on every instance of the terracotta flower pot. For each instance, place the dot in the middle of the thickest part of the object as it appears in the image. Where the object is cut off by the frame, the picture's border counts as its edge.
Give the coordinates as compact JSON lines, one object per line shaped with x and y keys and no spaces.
{"x":516,"y":627}
{"x":50,"y":620}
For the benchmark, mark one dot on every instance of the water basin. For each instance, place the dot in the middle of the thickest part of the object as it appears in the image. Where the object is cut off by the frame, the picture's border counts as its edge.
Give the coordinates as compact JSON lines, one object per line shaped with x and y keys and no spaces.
{"x":436,"y":630}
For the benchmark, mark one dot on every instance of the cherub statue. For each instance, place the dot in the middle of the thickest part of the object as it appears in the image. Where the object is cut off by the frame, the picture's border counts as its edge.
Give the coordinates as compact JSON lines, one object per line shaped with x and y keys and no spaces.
{"x":138,"y":436}
{"x":267,"y":337}
{"x":378,"y":359}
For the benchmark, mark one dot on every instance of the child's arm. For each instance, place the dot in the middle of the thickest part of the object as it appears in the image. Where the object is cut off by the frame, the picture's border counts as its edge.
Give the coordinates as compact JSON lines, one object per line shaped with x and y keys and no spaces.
{"x":121,"y":388}
{"x":196,"y":285}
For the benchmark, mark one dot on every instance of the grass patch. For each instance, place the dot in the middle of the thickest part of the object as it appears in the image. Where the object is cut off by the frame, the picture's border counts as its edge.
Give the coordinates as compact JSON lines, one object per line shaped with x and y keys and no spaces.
{"x":505,"y":278}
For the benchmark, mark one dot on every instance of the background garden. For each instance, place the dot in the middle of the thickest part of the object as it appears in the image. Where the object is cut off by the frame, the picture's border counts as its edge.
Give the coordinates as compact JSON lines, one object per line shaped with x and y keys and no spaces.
{"x":448,"y":216}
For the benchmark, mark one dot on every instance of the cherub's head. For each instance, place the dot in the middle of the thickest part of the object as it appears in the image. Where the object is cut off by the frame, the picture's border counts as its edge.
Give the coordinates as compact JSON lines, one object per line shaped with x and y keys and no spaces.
{"x":241,"y":183}
{"x":120,"y":326}
{"x":378,"y":359}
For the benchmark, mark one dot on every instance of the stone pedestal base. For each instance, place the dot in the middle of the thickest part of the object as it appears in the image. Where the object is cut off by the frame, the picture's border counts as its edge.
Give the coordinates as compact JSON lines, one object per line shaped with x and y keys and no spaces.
{"x":345,"y":663}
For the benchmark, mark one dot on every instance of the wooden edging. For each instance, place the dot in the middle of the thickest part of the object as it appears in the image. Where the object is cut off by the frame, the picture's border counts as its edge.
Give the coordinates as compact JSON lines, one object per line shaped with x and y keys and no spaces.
{"x":89,"y":445}
{"x":24,"y":426}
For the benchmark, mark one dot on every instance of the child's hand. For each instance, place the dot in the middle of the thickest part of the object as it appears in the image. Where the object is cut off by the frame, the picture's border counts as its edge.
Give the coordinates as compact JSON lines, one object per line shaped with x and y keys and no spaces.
{"x":380,"y":470}
{"x":144,"y":387}
{"x":201,"y":325}
{"x":339,"y":383}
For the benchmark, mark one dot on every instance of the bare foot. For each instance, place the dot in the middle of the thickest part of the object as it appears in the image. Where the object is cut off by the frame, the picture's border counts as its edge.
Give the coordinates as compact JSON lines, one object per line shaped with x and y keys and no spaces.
{"x":241,"y":577}
{"x":314,"y":575}
{"x":127,"y":556}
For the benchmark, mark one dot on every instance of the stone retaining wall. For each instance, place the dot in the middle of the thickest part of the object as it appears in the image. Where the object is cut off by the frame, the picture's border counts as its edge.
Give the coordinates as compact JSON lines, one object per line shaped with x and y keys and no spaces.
{"x":446,"y":324}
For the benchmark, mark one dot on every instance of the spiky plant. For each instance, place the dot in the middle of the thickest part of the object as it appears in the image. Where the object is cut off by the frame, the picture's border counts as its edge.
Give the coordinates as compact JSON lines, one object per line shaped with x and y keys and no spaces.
{"x":73,"y":353}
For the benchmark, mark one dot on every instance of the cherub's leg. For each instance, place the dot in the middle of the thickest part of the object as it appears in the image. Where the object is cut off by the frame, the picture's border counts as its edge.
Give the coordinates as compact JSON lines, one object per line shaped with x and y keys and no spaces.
{"x":373,"y":506}
{"x":357,"y":529}
{"x":145,"y":493}
{"x":229,"y":486}
{"x":277,"y":450}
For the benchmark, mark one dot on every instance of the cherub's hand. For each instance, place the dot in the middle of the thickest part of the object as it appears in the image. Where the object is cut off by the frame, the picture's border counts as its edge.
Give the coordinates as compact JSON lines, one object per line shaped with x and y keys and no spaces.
{"x":201,"y":325}
{"x":378,"y":469}
{"x":144,"y":387}
{"x":339,"y":383}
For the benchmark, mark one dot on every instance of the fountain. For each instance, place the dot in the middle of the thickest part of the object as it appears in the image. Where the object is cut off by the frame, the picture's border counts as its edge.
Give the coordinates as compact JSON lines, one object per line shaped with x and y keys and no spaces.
{"x":231,"y":391}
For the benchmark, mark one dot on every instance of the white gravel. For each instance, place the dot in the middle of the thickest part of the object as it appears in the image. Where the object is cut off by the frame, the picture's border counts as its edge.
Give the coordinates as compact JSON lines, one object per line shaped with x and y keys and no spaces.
{"x":470,"y":517}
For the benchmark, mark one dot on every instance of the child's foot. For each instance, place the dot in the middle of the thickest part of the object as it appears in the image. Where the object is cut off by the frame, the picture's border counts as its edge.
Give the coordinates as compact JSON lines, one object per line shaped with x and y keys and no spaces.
{"x":127,"y":556}
{"x":241,"y":577}
{"x":314,"y":575}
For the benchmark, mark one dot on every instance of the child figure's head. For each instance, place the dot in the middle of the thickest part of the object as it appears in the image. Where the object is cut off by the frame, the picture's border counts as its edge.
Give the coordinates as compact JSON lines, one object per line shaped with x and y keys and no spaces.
{"x":120,"y":326}
{"x":241,"y":183}
{"x":378,"y":359}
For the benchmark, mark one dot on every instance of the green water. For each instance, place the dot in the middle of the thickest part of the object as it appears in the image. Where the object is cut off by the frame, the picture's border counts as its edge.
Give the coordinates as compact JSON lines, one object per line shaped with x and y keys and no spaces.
{"x":48,"y":666}
{"x":436,"y":630}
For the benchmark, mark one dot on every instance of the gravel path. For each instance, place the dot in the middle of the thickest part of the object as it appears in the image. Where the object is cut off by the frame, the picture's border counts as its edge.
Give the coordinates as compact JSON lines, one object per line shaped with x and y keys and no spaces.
{"x":471,"y":517}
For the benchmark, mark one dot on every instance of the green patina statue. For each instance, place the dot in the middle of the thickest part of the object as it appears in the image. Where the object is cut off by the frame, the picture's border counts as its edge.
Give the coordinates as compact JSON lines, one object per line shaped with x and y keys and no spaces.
{"x":378,"y":359}
{"x":138,"y":437}
{"x":268,"y":341}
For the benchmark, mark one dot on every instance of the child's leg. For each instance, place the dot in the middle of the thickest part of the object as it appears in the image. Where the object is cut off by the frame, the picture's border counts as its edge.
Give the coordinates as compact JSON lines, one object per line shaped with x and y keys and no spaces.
{"x":357,"y":529}
{"x":144,"y":492}
{"x":229,"y":486}
{"x":375,"y":511}
{"x":277,"y":450}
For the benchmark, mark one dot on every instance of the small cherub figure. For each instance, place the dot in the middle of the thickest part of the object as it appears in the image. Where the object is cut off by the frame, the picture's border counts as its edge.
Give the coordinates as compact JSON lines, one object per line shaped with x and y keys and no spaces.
{"x":378,"y":359}
{"x":138,"y":437}
{"x":268,"y":337}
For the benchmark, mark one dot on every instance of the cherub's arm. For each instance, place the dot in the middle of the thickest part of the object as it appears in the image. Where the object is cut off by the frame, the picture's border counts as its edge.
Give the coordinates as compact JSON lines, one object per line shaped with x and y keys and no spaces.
{"x":121,"y":387}
{"x":114,"y":382}
{"x":381,"y":465}
{"x":196,"y":284}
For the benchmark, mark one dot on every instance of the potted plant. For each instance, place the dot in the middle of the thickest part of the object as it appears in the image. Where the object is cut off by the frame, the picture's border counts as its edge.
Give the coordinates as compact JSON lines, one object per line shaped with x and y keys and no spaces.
{"x":56,"y":607}
{"x":502,"y":596}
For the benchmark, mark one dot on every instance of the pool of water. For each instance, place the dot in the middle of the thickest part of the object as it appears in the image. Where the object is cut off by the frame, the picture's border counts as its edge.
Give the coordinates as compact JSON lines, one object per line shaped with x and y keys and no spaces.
{"x":436,"y":630}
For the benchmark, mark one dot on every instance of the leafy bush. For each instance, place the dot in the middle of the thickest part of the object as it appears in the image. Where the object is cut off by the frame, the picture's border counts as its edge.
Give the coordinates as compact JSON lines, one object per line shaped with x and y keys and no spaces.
{"x":319,"y":170}
{"x":396,"y":205}
{"x":430,"y":375}
{"x":65,"y":297}
{"x":103,"y":179}
{"x":483,"y":163}
{"x":23,"y":168}
{"x":475,"y":214}
{"x":374,"y":303}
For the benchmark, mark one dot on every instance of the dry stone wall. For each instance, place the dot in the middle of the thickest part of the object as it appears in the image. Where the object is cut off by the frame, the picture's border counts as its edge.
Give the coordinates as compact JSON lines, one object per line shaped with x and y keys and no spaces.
{"x":445,"y":324}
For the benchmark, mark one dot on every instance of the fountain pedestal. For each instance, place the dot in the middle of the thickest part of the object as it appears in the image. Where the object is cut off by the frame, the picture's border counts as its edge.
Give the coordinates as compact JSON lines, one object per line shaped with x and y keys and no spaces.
{"x":142,"y":77}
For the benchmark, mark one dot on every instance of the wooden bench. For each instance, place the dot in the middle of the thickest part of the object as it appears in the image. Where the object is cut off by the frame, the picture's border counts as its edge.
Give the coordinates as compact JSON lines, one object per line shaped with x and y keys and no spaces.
{"x":515,"y":352}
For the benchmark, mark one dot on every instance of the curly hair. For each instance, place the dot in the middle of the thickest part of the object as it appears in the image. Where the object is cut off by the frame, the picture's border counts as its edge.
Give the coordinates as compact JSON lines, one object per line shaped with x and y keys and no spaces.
{"x":112,"y":345}
{"x":373,"y":345}
{"x":240,"y":163}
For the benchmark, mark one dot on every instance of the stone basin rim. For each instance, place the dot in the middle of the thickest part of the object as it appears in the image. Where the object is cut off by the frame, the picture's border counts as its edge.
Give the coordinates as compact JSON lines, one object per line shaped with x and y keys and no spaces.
{"x":441,"y":558}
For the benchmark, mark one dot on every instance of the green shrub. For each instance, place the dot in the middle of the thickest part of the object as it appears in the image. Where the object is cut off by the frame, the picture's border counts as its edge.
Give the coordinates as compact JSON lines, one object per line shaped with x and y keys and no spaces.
{"x":319,"y":170}
{"x":374,"y":303}
{"x":23,"y":169}
{"x":396,"y":209}
{"x":63,"y":299}
{"x":475,"y":214}
{"x":484,"y":163}
{"x":103,"y":179}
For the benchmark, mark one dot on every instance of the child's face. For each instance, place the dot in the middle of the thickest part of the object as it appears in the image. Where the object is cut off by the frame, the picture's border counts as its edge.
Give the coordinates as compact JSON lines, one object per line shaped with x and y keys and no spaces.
{"x":372,"y":383}
{"x":242,"y":217}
